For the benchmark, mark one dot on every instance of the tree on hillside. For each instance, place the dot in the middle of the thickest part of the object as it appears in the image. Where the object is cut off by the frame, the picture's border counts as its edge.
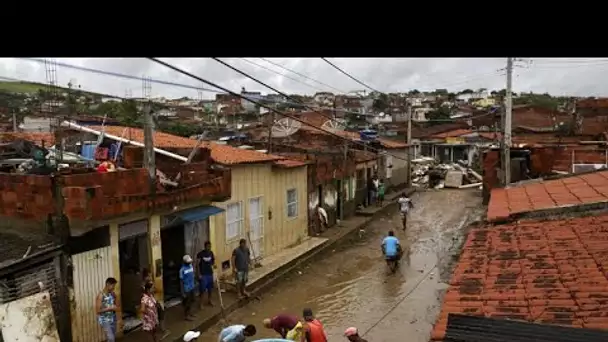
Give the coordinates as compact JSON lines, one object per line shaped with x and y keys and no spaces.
{"x":538,"y":100}
{"x":467,"y":91}
{"x":381,"y":103}
{"x":180,"y":129}
{"x":441,"y":114}
{"x":414,"y":92}
{"x":128,"y":113}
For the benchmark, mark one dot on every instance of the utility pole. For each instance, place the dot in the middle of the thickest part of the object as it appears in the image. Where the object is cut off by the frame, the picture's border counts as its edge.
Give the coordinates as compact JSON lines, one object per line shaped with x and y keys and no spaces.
{"x":344,"y":178}
{"x":149,"y":156}
{"x":507,"y":127}
{"x":14,"y":120}
{"x":270,"y":125}
{"x":409,"y":145}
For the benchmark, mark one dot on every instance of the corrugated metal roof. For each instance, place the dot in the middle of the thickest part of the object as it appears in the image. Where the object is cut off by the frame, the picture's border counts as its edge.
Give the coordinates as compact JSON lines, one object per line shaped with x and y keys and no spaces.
{"x":463,"y":328}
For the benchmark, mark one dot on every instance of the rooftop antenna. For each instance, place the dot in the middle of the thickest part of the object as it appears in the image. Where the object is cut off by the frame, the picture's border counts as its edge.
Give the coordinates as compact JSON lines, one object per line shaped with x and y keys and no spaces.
{"x":334,"y":125}
{"x":50,"y":66}
{"x":284,"y":128}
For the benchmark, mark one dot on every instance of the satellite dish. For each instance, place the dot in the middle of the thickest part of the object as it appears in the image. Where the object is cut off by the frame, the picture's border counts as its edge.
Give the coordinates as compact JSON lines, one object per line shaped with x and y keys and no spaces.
{"x":334,"y":125}
{"x":285,"y":127}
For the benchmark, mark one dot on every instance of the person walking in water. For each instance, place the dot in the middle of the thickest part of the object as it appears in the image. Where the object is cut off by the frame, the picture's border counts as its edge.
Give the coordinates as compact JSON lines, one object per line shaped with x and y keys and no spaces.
{"x":106,"y":306}
{"x":352,"y":334}
{"x":405,"y":204}
{"x":313,"y":329}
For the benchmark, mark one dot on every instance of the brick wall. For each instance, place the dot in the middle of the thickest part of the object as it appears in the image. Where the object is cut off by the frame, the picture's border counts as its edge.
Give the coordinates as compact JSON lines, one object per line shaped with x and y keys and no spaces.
{"x":544,"y":160}
{"x":98,"y":196}
{"x":26,"y":197}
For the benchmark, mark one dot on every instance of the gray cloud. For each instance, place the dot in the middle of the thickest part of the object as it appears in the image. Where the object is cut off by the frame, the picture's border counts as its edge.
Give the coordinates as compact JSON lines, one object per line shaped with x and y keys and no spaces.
{"x":579,"y":77}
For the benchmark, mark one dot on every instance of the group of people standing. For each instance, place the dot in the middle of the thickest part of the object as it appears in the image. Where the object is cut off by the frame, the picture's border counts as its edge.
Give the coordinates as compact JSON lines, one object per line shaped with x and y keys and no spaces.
{"x":376,"y":188}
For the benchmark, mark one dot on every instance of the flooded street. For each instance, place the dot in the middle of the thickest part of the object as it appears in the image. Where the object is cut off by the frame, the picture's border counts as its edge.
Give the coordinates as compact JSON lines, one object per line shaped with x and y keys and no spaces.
{"x":352,"y":285}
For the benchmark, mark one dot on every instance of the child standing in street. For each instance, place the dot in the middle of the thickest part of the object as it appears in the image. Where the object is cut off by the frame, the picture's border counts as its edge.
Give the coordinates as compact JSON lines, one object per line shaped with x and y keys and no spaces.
{"x":381,"y":189}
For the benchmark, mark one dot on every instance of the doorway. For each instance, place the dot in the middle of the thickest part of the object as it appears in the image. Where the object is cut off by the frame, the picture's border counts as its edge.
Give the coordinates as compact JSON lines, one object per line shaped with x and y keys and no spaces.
{"x":134,"y":256}
{"x":173,"y":251}
{"x":256,"y":227}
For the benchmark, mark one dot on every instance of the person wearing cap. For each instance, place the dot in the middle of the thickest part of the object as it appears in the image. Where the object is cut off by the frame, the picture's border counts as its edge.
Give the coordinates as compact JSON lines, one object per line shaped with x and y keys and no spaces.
{"x":352,"y":334}
{"x":186,"y":277}
{"x":237,"y":333}
{"x":192,"y":336}
{"x":313,"y":329}
{"x":282,"y":324}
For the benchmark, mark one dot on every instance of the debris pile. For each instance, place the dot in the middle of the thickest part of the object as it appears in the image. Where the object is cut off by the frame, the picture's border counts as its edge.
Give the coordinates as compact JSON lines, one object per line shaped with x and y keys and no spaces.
{"x":427,"y":172}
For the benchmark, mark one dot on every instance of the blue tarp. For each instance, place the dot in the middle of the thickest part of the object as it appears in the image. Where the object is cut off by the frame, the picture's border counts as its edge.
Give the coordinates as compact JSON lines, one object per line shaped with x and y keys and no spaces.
{"x":199,"y":213}
{"x":88,"y":151}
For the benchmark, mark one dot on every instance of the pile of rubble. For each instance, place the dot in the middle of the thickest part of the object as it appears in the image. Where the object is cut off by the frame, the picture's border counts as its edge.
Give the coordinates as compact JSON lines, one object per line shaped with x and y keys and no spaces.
{"x":427,"y":172}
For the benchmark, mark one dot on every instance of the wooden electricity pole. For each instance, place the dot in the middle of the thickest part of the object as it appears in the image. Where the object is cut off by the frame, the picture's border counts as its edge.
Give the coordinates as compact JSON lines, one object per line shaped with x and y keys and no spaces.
{"x":409,"y":145}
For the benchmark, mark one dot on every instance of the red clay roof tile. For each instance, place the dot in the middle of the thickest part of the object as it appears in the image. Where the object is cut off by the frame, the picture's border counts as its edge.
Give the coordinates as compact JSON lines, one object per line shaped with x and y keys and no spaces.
{"x":552,"y":272}
{"x":286,"y":163}
{"x":574,"y":190}
{"x":223,"y":154}
{"x":317,"y":119}
{"x":452,"y":134}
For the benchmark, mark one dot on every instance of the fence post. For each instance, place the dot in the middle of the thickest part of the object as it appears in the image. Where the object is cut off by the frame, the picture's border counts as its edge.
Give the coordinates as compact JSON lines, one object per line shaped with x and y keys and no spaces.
{"x":572,"y":165}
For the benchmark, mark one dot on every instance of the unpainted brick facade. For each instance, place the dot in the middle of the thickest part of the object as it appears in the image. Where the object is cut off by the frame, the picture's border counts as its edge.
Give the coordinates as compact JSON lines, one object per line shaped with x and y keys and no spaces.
{"x":543,"y":160}
{"x":89,"y":197}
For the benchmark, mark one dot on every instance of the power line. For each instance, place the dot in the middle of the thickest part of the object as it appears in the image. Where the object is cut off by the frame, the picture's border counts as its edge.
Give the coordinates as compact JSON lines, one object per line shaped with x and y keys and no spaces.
{"x":183,"y":72}
{"x":216,"y":91}
{"x":350,"y":76}
{"x":278,"y":73}
{"x":116,"y":74}
{"x":302,"y":75}
{"x":198,"y":88}
{"x":307,"y":107}
{"x":181,"y":85}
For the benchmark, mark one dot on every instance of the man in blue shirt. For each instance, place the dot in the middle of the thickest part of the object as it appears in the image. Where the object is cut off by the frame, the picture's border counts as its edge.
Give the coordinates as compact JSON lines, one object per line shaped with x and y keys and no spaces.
{"x":186,"y":277}
{"x":391,"y":248}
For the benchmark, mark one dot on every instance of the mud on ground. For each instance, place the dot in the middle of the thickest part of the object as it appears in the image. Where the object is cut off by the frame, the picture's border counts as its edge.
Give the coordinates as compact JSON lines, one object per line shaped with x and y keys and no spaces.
{"x":351,"y":286}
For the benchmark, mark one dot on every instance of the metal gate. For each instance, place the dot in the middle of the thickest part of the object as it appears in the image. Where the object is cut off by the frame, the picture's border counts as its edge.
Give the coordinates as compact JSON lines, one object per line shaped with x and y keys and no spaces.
{"x":90,"y":271}
{"x":42,"y":277}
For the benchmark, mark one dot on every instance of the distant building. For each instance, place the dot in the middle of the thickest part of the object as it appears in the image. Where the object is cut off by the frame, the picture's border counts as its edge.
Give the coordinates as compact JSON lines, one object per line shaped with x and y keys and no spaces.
{"x":249,"y":106}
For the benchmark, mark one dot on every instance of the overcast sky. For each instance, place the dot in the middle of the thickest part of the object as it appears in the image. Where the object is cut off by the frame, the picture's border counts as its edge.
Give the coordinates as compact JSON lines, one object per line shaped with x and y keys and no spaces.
{"x":578,"y":77}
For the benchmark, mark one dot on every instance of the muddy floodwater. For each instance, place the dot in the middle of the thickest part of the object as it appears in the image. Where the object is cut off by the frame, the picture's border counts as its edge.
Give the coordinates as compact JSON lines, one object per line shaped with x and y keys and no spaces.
{"x":351,"y":286}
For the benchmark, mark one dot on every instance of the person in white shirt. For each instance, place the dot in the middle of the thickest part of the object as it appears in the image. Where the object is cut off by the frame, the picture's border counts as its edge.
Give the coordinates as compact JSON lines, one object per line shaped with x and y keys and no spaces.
{"x":405,"y":204}
{"x":237,"y":333}
{"x":323,"y":220}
